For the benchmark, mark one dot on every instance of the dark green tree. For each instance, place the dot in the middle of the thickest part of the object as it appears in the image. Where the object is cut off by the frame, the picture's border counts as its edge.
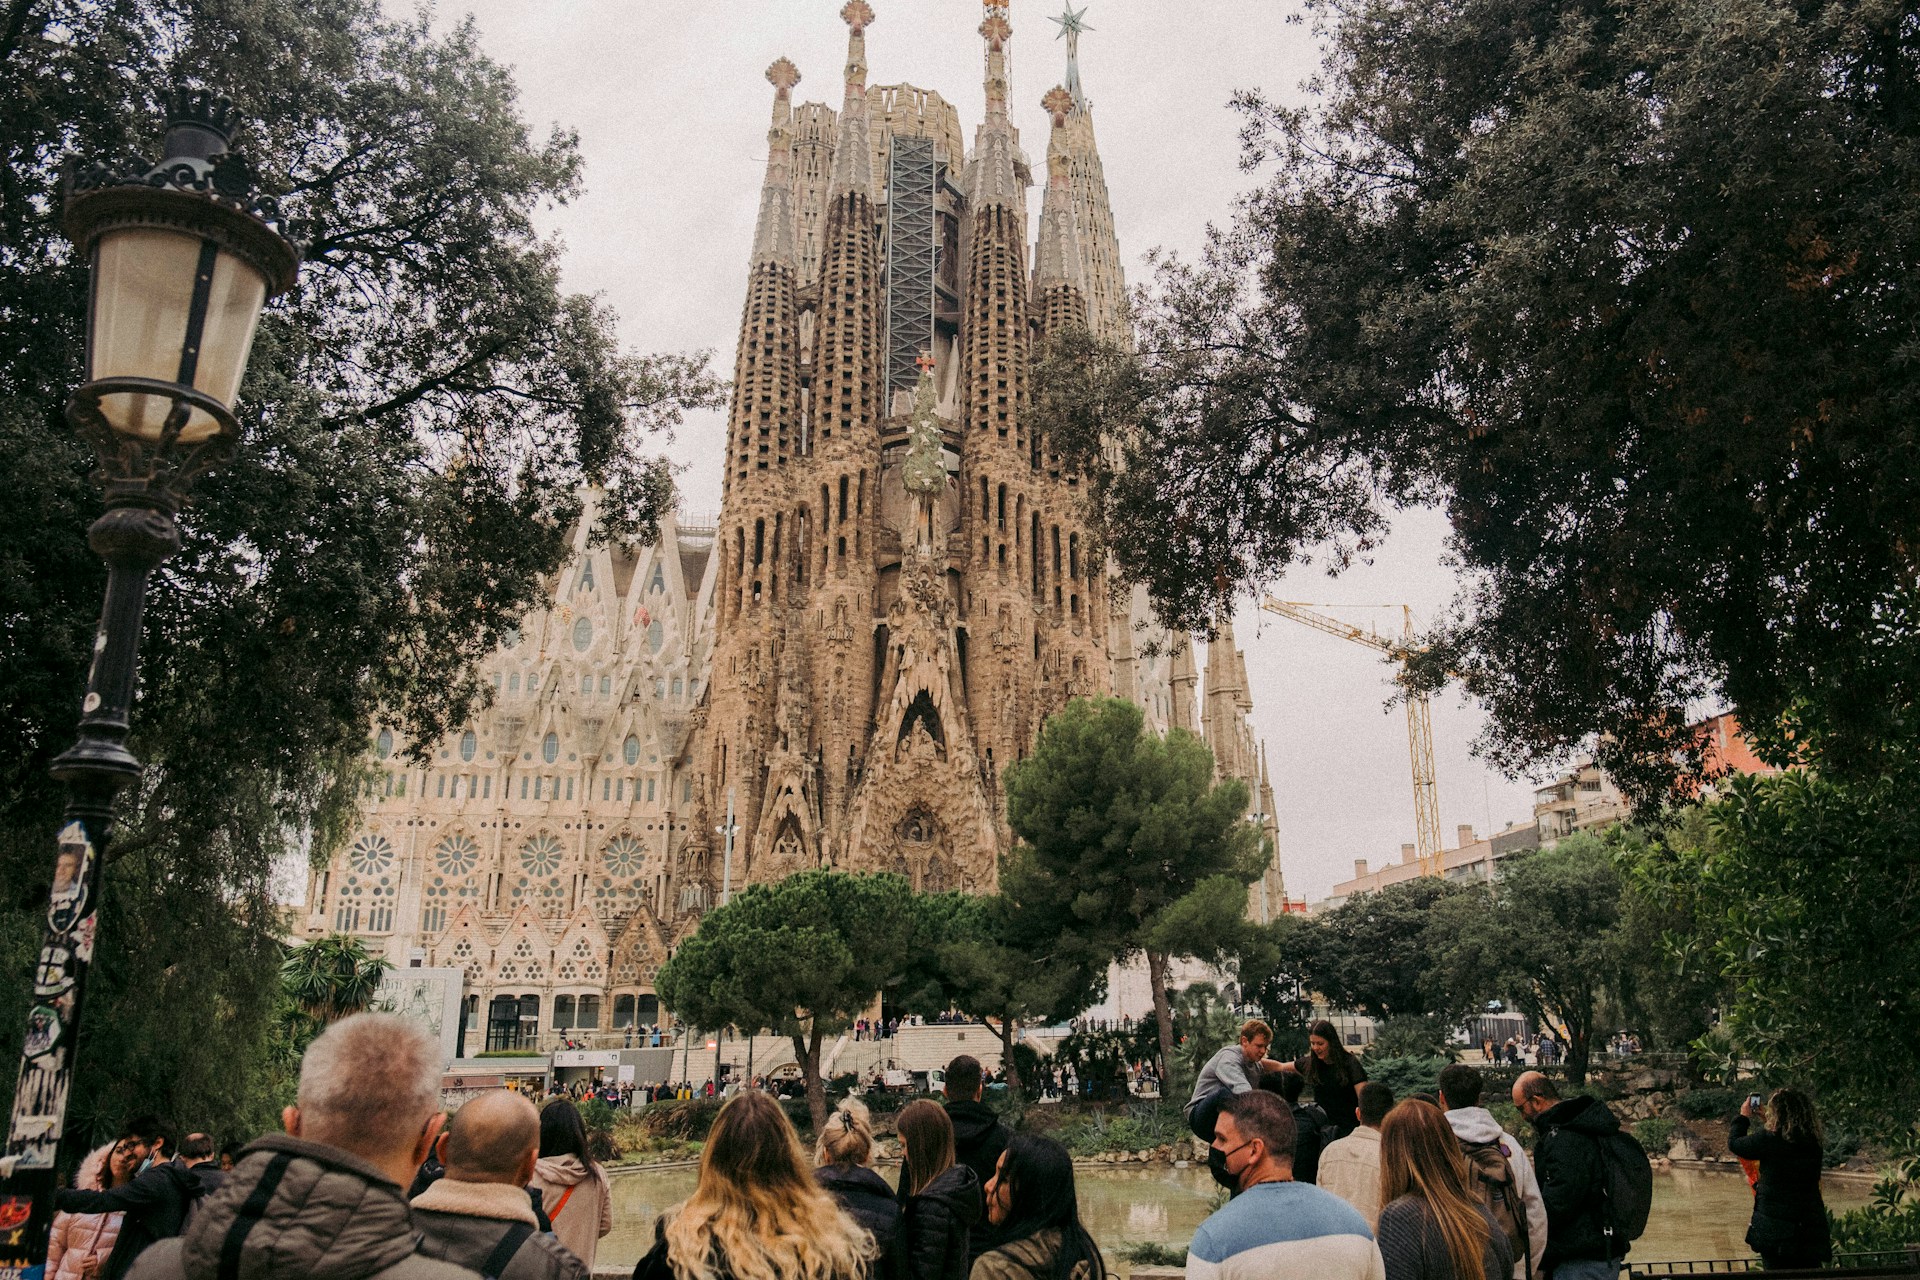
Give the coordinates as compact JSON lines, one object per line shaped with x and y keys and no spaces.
{"x":1802,"y":893}
{"x":1374,"y":952}
{"x":981,"y":963}
{"x":1630,"y":290}
{"x":333,"y":977}
{"x":1126,"y":841}
{"x":1547,"y":937}
{"x":802,"y":957}
{"x":421,"y":414}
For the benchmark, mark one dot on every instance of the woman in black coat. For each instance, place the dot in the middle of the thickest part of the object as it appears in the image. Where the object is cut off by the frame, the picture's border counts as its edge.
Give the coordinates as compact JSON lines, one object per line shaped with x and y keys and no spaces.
{"x":940,"y":1200}
{"x":845,"y":1157}
{"x":1789,"y":1226}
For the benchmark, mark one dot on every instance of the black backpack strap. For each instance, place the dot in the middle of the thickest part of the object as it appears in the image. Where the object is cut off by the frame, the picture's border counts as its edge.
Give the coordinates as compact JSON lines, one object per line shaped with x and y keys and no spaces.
{"x":251,"y":1211}
{"x":517,"y":1234}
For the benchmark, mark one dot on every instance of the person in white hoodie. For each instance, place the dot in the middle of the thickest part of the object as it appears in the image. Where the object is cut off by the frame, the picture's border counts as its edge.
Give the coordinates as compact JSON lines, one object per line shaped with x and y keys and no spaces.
{"x":573,"y":1187}
{"x":1487,"y":1145}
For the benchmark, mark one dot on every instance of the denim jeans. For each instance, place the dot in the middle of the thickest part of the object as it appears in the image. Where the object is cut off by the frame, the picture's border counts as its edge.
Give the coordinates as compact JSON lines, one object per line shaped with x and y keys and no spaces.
{"x":1587,"y":1269}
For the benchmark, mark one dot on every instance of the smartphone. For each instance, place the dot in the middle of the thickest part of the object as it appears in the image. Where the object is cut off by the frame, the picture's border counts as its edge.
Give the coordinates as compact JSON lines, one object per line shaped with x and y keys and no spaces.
{"x":1755,"y":1101}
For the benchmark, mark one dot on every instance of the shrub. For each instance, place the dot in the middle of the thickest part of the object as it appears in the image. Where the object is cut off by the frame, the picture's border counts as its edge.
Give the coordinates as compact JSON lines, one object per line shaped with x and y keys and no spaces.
{"x":1411,"y":1037}
{"x":1508,"y":1117}
{"x":1152,"y":1253}
{"x":688,"y":1120}
{"x":1708,"y":1104}
{"x":1406,"y":1075}
{"x":1891,"y":1222}
{"x":1655,"y":1135}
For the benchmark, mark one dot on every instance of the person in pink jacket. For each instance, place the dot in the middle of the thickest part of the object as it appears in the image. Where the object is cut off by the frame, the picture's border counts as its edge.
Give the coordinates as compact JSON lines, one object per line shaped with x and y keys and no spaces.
{"x":82,"y":1242}
{"x":573,"y":1188}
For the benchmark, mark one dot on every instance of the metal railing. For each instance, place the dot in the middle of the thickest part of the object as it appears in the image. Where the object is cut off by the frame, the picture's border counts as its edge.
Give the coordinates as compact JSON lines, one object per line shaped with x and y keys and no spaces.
{"x":1885,"y":1262}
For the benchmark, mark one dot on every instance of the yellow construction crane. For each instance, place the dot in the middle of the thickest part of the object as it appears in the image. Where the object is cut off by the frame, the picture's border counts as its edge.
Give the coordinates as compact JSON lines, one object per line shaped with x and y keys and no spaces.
{"x":1426,"y":799}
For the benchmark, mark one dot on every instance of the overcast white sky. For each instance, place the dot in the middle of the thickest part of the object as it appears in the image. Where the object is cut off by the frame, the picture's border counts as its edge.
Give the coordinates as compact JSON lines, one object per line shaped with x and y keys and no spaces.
{"x":671,"y":104}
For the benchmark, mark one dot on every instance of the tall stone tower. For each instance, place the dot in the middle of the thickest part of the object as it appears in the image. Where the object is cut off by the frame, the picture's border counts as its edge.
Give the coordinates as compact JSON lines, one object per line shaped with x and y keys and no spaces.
{"x":898,"y":589}
{"x":907,"y":587}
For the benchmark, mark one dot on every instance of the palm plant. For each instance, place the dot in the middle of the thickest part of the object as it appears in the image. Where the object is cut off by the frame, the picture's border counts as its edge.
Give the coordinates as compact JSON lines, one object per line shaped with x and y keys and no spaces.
{"x":332,"y":978}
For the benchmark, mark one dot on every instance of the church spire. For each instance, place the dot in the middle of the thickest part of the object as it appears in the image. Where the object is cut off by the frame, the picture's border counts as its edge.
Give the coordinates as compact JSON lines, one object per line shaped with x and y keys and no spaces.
{"x":1057,"y":263}
{"x":1071,"y":24}
{"x":995,"y":179}
{"x":853,"y":153}
{"x":773,"y":236}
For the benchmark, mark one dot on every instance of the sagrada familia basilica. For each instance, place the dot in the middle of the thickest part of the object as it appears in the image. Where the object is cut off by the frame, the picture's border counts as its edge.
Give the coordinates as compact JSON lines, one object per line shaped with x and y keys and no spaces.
{"x":899,"y":590}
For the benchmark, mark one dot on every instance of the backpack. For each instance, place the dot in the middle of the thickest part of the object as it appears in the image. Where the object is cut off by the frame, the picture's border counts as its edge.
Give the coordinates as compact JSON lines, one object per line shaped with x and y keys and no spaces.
{"x":1626,"y":1183}
{"x":1500,"y":1192}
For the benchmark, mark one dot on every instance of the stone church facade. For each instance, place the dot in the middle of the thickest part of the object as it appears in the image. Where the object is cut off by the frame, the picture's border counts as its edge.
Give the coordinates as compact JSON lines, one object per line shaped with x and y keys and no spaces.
{"x":898,"y":591}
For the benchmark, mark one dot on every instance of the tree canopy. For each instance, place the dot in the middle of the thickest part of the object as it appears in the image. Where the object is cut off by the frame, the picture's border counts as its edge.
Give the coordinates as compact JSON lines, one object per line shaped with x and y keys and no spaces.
{"x":981,"y":962}
{"x":1127,"y":843}
{"x":421,"y":415}
{"x":802,"y":957}
{"x":1631,"y":292}
{"x":1802,"y":891}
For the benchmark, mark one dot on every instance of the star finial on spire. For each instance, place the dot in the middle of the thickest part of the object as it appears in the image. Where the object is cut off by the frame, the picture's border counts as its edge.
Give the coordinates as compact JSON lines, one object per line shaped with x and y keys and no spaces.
{"x":1058,"y":103}
{"x":783,"y":75}
{"x":857,"y":14}
{"x":1072,"y":22}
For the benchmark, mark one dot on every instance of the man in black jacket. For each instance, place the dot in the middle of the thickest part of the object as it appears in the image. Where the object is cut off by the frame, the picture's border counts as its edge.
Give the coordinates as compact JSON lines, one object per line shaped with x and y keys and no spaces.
{"x":1572,"y":1170}
{"x":156,"y":1203}
{"x":978,"y":1138}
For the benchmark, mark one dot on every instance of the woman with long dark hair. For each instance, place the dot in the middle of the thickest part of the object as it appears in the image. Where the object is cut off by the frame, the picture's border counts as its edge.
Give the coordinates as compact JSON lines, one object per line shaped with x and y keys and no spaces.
{"x":1789,"y":1225}
{"x":756,"y":1212}
{"x":1033,"y":1208}
{"x":939,"y":1198}
{"x":573,"y":1187}
{"x":1433,"y":1223}
{"x":1334,"y":1075}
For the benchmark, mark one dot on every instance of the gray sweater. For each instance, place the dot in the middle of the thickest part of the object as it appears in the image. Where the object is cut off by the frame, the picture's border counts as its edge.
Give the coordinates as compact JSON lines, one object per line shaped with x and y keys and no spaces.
{"x":1413,"y":1248}
{"x":1225,"y":1072}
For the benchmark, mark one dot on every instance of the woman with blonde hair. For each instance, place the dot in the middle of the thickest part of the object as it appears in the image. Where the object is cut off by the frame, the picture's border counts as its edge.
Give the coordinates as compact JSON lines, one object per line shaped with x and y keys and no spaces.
{"x":940,"y":1200}
{"x":1433,"y":1221}
{"x":1789,"y":1225}
{"x":756,"y":1213}
{"x":844,"y":1160}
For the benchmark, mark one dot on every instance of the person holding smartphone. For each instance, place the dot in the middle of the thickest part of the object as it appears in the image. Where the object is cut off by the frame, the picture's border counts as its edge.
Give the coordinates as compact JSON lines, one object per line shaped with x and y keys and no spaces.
{"x":1789,"y":1224}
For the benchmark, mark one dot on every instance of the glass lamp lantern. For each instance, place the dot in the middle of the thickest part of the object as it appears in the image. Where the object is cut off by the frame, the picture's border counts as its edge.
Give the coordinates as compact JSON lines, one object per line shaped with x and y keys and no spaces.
{"x":184,"y":255}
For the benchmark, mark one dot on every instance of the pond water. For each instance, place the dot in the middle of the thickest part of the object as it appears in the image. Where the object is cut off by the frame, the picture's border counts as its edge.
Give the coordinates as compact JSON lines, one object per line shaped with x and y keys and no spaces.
{"x":1696,"y":1213}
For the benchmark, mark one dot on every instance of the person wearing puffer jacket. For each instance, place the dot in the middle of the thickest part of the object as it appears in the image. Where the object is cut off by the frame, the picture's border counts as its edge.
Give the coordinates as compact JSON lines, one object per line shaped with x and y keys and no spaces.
{"x":844,"y":1160}
{"x":573,"y":1187}
{"x":940,"y":1200}
{"x":325,"y":1200}
{"x":82,"y":1242}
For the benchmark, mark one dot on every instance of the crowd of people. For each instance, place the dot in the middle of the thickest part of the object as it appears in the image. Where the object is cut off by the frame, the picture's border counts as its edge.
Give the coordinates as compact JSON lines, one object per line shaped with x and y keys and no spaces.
{"x":371,"y":1180}
{"x":1439,"y":1191}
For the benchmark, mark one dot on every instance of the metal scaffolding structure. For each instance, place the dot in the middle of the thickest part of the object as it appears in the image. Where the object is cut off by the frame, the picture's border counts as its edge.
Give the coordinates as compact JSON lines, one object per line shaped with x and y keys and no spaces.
{"x":912,"y":258}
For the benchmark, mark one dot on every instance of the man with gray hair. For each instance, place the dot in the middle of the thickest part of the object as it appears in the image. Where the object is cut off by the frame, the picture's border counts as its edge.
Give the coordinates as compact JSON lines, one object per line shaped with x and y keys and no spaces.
{"x":324,"y":1200}
{"x":479,"y":1215}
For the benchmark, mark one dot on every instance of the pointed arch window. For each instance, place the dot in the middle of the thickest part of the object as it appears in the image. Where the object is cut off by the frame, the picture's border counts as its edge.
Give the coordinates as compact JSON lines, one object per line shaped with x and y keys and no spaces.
{"x":550,"y":748}
{"x":583,"y":634}
{"x":630,"y":750}
{"x":469,"y":743}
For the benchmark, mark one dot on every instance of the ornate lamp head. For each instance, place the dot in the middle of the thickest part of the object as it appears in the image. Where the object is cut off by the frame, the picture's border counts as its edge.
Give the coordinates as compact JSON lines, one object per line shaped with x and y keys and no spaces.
{"x":184,"y":255}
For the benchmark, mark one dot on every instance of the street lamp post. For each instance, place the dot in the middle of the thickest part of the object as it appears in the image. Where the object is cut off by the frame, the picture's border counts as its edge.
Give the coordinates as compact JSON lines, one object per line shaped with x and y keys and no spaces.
{"x":183,"y":256}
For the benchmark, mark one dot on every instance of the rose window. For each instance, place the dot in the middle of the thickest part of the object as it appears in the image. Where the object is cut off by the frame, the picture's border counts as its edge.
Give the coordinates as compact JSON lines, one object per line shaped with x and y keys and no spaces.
{"x":624,"y":855}
{"x":370,"y":854}
{"x":456,"y":855}
{"x":541,"y":855}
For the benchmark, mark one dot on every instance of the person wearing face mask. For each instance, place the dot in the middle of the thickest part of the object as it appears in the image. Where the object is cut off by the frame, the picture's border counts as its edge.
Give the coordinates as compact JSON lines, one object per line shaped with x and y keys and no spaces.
{"x":1033,"y":1209}
{"x":1274,"y":1228}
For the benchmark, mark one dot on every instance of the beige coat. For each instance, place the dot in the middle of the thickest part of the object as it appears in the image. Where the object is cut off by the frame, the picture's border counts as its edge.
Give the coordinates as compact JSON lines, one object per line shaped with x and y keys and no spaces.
{"x":588,"y":1214}
{"x":1350,"y":1168}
